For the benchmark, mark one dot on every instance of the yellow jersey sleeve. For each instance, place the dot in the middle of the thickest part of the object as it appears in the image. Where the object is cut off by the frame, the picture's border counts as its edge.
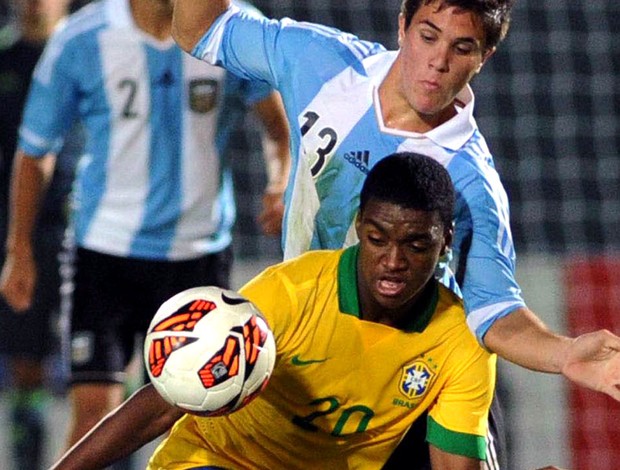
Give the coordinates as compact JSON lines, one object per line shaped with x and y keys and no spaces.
{"x":458,"y":420}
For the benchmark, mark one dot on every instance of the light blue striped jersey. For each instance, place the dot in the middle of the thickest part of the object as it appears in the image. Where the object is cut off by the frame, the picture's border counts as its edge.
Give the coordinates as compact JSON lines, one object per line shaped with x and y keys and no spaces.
{"x":329,"y":81}
{"x":152,"y":183}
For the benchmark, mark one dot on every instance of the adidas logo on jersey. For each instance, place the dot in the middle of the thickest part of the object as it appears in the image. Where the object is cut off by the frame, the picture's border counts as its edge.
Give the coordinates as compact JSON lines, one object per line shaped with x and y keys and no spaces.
{"x":359,"y":159}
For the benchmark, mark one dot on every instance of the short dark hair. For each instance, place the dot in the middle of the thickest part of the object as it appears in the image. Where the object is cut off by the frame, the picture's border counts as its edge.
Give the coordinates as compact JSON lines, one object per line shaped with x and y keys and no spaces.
{"x":495,"y":15}
{"x":412,"y":181}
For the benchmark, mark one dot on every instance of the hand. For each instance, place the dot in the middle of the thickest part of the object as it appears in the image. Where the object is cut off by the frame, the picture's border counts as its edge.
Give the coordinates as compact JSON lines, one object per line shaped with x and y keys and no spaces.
{"x":270,"y":218}
{"x":18,"y":280}
{"x":593,"y":361}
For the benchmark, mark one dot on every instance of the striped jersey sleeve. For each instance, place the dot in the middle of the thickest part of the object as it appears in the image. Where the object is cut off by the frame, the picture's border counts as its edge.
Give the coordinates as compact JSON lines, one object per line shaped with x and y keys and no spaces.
{"x":483,"y":247}
{"x":52,"y":104}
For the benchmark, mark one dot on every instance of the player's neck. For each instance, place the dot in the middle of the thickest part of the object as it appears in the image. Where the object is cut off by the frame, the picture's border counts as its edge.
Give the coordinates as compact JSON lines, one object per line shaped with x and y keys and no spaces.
{"x":153,"y":17}
{"x":36,"y":30}
{"x":397,"y":113}
{"x":35,"y":37}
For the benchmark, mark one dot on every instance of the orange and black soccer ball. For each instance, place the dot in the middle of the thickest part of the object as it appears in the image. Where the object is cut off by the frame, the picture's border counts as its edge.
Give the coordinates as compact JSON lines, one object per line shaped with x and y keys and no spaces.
{"x":209,"y":351}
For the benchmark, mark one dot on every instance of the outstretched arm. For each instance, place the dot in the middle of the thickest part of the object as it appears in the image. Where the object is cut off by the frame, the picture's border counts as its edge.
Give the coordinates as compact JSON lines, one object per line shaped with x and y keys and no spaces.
{"x":591,"y":360}
{"x":193,"y":18}
{"x":143,"y":417}
{"x":276,"y":151}
{"x":490,"y":288}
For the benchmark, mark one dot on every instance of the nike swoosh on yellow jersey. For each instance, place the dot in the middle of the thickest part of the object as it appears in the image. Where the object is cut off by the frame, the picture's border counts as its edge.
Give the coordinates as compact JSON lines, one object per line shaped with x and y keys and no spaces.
{"x":296,"y":361}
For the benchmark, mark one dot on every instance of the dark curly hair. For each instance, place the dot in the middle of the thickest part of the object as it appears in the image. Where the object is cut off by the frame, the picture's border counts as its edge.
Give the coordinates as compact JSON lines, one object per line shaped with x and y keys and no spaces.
{"x":412,"y":181}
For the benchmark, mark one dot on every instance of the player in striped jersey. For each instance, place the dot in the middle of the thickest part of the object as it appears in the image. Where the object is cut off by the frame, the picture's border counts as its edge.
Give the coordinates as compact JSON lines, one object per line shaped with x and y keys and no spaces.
{"x":350,"y":102}
{"x":153,"y":202}
{"x":28,"y":338}
{"x":372,"y":316}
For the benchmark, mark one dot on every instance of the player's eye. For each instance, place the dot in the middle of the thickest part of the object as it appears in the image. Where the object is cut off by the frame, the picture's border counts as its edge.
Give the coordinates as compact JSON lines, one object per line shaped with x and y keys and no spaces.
{"x":376,"y":240}
{"x":419,"y":246}
{"x":465,"y":48}
{"x":427,"y":37}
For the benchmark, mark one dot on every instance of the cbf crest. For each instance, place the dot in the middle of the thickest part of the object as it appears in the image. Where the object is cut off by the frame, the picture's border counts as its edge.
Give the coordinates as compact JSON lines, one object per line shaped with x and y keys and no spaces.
{"x":416,"y":379}
{"x":203,"y":95}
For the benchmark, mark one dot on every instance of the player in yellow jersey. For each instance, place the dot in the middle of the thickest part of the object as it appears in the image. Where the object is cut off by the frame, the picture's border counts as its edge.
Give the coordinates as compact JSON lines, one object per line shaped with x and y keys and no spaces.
{"x":367,"y":340}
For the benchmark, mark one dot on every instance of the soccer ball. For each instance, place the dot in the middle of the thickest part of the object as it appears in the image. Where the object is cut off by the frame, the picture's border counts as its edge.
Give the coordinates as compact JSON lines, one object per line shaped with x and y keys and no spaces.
{"x":209,"y":351}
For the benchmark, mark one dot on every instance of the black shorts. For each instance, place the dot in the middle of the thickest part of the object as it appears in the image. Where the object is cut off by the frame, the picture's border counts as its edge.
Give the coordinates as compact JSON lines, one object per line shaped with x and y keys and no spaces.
{"x":114,"y":300}
{"x":34,"y":334}
{"x":412,"y":453}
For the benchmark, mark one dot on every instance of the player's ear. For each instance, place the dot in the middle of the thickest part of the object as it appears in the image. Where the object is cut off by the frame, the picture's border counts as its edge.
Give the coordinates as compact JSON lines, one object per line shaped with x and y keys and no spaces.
{"x":448,"y":237}
{"x":486,"y":56}
{"x":358,"y":224}
{"x":401,"y":29}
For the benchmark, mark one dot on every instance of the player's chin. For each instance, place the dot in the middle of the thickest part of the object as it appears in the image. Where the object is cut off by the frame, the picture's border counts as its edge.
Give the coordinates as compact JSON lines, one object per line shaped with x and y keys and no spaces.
{"x":431,"y":104}
{"x":391,"y":300}
{"x":431,"y":108}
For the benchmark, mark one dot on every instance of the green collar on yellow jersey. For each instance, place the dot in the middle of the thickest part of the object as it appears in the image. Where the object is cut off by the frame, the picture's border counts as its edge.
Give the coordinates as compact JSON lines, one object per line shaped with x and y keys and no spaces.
{"x":348,"y":299}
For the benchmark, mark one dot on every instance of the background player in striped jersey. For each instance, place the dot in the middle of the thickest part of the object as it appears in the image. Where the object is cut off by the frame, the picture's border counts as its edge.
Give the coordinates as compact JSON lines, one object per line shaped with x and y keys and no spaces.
{"x":153,"y":205}
{"x":350,"y":102}
{"x":371,"y":315}
{"x":29,"y":339}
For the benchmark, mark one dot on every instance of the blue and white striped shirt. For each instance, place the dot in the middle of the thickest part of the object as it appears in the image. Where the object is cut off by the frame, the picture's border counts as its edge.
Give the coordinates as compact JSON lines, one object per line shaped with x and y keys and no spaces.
{"x":329,"y":83}
{"x":152,"y":183}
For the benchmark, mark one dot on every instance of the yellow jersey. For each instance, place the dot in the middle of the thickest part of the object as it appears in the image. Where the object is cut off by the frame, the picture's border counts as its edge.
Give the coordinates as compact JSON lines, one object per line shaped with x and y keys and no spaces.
{"x":344,"y":391}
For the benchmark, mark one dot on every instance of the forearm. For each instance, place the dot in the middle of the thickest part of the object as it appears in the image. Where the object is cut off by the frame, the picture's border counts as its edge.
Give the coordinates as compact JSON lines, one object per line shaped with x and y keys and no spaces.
{"x":142,"y":418}
{"x":276,"y":152}
{"x":28,"y":185}
{"x":442,"y":460}
{"x":523,"y":339}
{"x":193,"y":18}
{"x":277,"y":165}
{"x":276,"y":142}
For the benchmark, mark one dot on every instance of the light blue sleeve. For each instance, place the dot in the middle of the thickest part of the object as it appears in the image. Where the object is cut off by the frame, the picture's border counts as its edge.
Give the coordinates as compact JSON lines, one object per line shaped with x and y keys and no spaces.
{"x":255,"y":91}
{"x":483,"y":246}
{"x":52,"y":104}
{"x":242,"y":43}
{"x":296,"y":58}
{"x":250,"y":91}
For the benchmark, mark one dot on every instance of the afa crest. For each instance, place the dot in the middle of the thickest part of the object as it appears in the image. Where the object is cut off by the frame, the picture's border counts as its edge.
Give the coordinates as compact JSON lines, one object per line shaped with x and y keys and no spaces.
{"x":203,"y":95}
{"x":416,"y":379}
